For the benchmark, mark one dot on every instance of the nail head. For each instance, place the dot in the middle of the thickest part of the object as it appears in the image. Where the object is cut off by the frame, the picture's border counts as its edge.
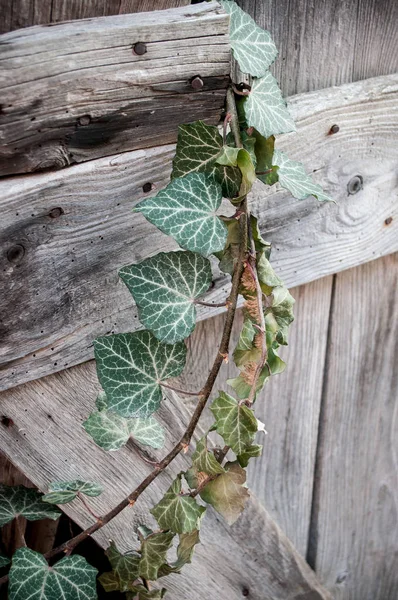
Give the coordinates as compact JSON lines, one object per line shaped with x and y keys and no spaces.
{"x":55,"y":212}
{"x":388,"y":221}
{"x":334,"y":129}
{"x":139,"y":48}
{"x":197,"y":83}
{"x":85,"y":120}
{"x":147,"y":187}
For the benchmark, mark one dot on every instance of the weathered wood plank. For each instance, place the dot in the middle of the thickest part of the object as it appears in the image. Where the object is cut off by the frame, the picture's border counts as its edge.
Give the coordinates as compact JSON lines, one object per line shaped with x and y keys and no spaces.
{"x":78,"y":91}
{"x":327,"y":43}
{"x":354,"y":543}
{"x":47,"y":443}
{"x":59,"y":273}
{"x":282,"y":479}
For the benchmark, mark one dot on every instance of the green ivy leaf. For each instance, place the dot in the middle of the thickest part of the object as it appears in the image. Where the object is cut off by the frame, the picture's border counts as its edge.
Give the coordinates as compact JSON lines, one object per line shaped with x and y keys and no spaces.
{"x":164,"y":288}
{"x":251,"y":452}
{"x":185,"y":552}
{"x":142,"y":593}
{"x":227,"y":494}
{"x":153,"y":553}
{"x":279,"y":315}
{"x":186,"y":210}
{"x":245,"y":350}
{"x":62,"y":492}
{"x":242,"y":387}
{"x":266,"y":109}
{"x":198,"y":147}
{"x":241,"y":158}
{"x":180,"y":514}
{"x":26,"y":502}
{"x":264,"y":151}
{"x":266,"y":275}
{"x":111,"y":431}
{"x":248,"y":141}
{"x":252,"y":46}
{"x":31,"y":578}
{"x":235,"y":423}
{"x":130,"y":367}
{"x":125,"y":570}
{"x":293,"y":177}
{"x":204,"y":460}
{"x":4,"y":561}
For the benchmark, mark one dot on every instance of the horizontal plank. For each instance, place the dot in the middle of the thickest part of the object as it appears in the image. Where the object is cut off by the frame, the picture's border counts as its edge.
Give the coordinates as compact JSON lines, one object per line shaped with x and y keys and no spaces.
{"x":76,"y":91}
{"x":46,"y":442}
{"x":65,"y":234}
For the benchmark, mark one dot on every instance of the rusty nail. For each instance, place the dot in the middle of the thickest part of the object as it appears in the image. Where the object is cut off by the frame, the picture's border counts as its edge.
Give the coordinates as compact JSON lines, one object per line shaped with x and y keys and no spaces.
{"x":355,"y":184}
{"x":85,"y":120}
{"x":147,"y":187}
{"x":388,"y":221}
{"x":55,"y":213}
{"x":139,"y":48}
{"x":197,"y":83}
{"x":15,"y":254}
{"x":334,"y":129}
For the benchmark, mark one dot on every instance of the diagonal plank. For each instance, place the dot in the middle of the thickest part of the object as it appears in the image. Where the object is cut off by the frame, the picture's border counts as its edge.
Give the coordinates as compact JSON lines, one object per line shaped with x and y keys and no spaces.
{"x":47,"y":443}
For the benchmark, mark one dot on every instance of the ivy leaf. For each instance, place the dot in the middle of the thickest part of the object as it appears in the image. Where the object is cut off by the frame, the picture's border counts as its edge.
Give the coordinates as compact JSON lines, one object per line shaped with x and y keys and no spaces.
{"x":26,"y":502}
{"x":198,"y":147}
{"x":264,"y":151}
{"x":280,"y":314}
{"x":184,"y":553}
{"x":130,"y":367}
{"x":125,"y":570}
{"x":292,"y":176}
{"x":246,"y":351}
{"x":164,"y":288}
{"x":235,"y":423}
{"x":62,"y":492}
{"x":252,"y":46}
{"x":111,"y":431}
{"x":266,"y":109}
{"x":142,"y":593}
{"x":31,"y":578}
{"x":180,"y":514}
{"x":227,"y":493}
{"x":153,"y":553}
{"x":266,"y":275}
{"x":4,"y":561}
{"x":186,"y":209}
{"x":241,"y":384}
{"x":251,"y":452}
{"x":241,"y":158}
{"x":204,"y":460}
{"x":230,"y":254}
{"x":248,"y":141}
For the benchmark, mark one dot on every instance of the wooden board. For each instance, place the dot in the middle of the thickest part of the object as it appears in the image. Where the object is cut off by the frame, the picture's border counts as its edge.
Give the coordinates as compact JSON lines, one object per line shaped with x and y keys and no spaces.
{"x":47,"y":443}
{"x":59,"y":273}
{"x":323,"y":43}
{"x":282,"y":479}
{"x":78,"y":90}
{"x":354,"y":542}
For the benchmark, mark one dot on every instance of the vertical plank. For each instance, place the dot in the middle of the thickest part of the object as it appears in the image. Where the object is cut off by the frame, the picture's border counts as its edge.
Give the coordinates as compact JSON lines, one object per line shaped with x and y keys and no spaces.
{"x":354,"y":542}
{"x":289,"y":406}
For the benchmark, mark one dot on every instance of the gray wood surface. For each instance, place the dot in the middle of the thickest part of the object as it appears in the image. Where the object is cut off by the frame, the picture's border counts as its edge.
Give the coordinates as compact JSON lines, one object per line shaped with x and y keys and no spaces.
{"x":354,"y":542}
{"x":323,"y":43}
{"x":47,"y":443}
{"x":59,"y":273}
{"x":78,"y":91}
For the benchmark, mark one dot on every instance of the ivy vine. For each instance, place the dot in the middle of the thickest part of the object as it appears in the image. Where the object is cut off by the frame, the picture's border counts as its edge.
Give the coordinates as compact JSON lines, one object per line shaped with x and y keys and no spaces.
{"x":133,"y":368}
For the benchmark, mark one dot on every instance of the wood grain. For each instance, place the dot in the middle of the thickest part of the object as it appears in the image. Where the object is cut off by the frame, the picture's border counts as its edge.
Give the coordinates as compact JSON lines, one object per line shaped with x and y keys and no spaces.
{"x":59,"y":273}
{"x":282,"y":479}
{"x":354,"y":543}
{"x":323,"y":43}
{"x":77,"y":91}
{"x":47,"y":443}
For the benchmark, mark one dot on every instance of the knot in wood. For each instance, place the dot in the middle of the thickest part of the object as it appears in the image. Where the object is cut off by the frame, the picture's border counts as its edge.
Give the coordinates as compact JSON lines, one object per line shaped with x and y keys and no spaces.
{"x":355,"y":184}
{"x":15,"y":254}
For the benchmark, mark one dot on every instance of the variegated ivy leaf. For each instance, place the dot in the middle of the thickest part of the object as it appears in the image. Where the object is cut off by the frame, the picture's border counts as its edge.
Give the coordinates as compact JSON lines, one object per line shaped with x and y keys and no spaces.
{"x":198,"y":147}
{"x":26,"y":502}
{"x":242,"y":385}
{"x":130,"y":367}
{"x":246,"y":350}
{"x":204,"y":460}
{"x":125,"y":570}
{"x":227,"y":493}
{"x":186,"y":210}
{"x":251,"y":452}
{"x":164,"y":288}
{"x":180,"y":514}
{"x":31,"y":578}
{"x":252,"y":46}
{"x":4,"y":561}
{"x":111,"y":431}
{"x":184,"y":553}
{"x":266,"y":109}
{"x":62,"y":492}
{"x":248,"y":142}
{"x":279,"y":315}
{"x":293,"y":177}
{"x":153,"y":553}
{"x":266,"y":275}
{"x":139,"y":591}
{"x":236,"y":423}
